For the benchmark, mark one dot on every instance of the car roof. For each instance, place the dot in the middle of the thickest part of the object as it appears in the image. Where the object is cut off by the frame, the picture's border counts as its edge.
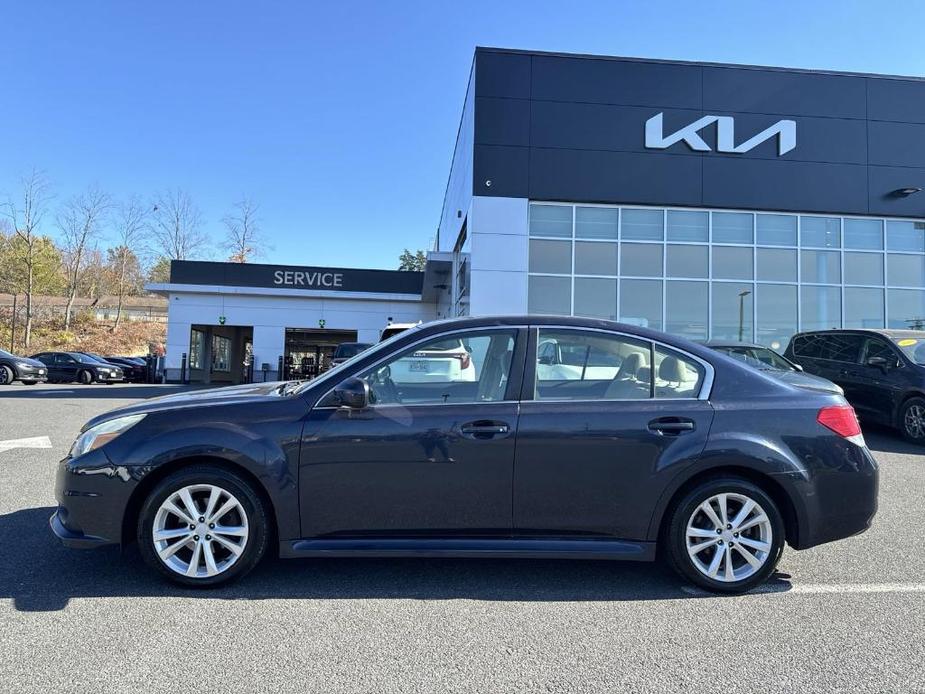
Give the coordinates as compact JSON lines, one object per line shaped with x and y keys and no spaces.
{"x":731,"y":343}
{"x":886,"y":332}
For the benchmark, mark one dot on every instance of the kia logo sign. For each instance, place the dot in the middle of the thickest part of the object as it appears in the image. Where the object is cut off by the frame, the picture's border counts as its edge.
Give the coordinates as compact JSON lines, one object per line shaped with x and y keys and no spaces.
{"x":784,"y":130}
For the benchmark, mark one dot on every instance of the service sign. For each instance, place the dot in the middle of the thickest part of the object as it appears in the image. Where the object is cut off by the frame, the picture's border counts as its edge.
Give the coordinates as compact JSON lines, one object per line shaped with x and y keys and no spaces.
{"x":295,"y":277}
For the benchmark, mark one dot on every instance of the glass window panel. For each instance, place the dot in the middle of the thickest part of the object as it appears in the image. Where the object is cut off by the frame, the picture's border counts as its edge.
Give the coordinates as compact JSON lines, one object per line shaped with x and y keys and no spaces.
{"x":777,"y":264}
{"x":641,"y":303}
{"x":864,"y":234}
{"x":549,"y":295}
{"x":597,"y":222}
{"x":822,"y":232}
{"x":906,"y":308}
{"x":777,"y":314}
{"x":466,"y":367}
{"x":732,"y":263}
{"x":823,"y":267}
{"x":575,"y":365}
{"x":643,"y":225}
{"x":733,"y":227}
{"x":595,"y":258}
{"x":820,"y":308}
{"x":728,"y":297}
{"x":905,"y":236}
{"x":197,"y":348}
{"x":688,"y":261}
{"x":686,"y":309}
{"x":551,"y":220}
{"x":777,"y":229}
{"x":676,"y":376}
{"x":221,"y":353}
{"x":863,"y":308}
{"x":596,"y":298}
{"x":688,"y":225}
{"x":905,"y":270}
{"x":550,"y":256}
{"x":863,"y":268}
{"x":641,"y":259}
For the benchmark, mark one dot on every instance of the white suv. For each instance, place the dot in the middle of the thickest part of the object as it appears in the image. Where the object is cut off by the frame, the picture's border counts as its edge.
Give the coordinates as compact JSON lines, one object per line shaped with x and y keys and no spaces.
{"x":446,"y":361}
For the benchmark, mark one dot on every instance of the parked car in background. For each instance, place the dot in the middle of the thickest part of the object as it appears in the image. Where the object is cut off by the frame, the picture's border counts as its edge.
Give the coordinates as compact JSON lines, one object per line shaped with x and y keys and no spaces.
{"x":25,"y":369}
{"x":438,"y":362}
{"x":347,"y":350}
{"x":767,"y":360}
{"x":135,"y":368}
{"x":698,"y":457}
{"x":65,"y":367}
{"x":881,"y":371}
{"x":393,"y":329}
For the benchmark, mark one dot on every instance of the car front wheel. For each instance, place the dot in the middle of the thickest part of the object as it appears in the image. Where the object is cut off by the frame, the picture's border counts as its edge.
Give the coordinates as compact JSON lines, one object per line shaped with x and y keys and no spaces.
{"x":85,"y":377}
{"x":6,"y":375}
{"x":726,"y":535}
{"x":203,"y":526}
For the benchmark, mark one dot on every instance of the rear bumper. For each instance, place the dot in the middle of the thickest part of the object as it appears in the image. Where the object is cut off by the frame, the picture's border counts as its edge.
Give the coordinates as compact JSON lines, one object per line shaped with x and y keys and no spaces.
{"x":842,"y":500}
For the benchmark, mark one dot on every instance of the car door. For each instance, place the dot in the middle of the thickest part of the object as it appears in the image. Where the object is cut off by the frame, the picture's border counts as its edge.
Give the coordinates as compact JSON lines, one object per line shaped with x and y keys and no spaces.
{"x":877,"y":382}
{"x":66,"y":366}
{"x":432,"y":455}
{"x":841,"y":355}
{"x":591,"y":442}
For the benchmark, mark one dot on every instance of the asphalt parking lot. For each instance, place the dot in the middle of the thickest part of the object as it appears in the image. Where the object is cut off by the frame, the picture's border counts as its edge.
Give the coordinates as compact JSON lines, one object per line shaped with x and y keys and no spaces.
{"x":849,"y":616}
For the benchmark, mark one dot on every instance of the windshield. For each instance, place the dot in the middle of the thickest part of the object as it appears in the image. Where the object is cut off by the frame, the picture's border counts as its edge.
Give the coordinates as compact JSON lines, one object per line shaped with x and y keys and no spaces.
{"x":84,"y":356}
{"x":912,"y":347}
{"x":332,"y":373}
{"x":758,"y":357}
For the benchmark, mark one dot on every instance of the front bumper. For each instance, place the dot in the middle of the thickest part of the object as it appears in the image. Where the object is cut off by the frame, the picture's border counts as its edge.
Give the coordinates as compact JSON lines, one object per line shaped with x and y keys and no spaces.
{"x":32,"y":373}
{"x":92,"y":495}
{"x":110,"y":377}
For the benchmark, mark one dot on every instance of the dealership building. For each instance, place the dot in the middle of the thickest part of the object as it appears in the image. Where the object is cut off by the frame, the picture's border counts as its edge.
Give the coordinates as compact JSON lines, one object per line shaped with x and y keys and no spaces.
{"x":709,"y":201}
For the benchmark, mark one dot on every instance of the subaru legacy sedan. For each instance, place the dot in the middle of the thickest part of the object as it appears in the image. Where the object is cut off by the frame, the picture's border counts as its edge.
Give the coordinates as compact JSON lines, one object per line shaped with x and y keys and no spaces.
{"x":664,"y":448}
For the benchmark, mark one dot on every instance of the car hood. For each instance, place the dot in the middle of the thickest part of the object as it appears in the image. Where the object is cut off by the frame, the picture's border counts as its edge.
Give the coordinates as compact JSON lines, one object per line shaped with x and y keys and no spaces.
{"x":805,"y":380}
{"x":30,"y":361}
{"x":229,"y":395}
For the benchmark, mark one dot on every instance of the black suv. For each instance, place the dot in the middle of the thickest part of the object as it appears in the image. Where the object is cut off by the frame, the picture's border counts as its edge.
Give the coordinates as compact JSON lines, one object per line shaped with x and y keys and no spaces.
{"x":881,"y":371}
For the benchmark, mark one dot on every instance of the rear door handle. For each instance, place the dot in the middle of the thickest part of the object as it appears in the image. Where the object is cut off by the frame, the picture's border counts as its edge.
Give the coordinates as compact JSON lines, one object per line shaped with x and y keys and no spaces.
{"x":671,"y":426}
{"x":485,"y":429}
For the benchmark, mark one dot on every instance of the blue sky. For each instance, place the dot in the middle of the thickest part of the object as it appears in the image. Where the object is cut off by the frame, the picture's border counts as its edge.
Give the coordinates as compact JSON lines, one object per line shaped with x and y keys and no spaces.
{"x":339,"y":118}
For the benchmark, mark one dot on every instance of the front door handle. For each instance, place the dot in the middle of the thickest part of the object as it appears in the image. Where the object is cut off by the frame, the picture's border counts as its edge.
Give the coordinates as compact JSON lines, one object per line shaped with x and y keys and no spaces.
{"x":671,"y":426}
{"x":485,"y":429}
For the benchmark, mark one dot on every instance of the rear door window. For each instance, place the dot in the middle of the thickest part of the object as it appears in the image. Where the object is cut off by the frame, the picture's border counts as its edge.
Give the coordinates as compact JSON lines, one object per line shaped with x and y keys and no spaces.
{"x":843,"y":348}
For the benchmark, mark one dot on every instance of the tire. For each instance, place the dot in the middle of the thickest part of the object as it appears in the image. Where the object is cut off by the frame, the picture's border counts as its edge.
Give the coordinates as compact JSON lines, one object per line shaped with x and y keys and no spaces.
{"x":765,"y":539}
{"x":6,"y":375}
{"x":912,"y":420}
{"x":29,"y":383}
{"x":249,"y":518}
{"x":85,"y":377}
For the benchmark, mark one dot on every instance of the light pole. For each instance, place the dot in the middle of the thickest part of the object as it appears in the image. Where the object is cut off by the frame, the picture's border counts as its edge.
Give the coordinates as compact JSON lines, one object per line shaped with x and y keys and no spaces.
{"x":742,"y":295}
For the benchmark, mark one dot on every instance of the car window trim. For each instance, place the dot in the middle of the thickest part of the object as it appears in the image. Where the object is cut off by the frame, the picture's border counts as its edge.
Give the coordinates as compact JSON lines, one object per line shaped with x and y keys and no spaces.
{"x":529,"y":386}
{"x":519,"y":333}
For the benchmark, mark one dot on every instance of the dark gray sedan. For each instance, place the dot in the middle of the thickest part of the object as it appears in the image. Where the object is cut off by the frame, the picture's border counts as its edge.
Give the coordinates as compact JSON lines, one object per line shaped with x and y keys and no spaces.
{"x":562,"y":438}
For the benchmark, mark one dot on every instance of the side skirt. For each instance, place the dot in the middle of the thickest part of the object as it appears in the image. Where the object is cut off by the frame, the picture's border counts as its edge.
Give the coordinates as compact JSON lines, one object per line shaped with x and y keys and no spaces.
{"x":539,"y":548}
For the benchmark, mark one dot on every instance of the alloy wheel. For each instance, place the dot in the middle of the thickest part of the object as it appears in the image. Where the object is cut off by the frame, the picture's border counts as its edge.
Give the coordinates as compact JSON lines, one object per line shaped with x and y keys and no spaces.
{"x":5,"y":376}
{"x":200,"y":531}
{"x":914,"y":421}
{"x":729,"y":537}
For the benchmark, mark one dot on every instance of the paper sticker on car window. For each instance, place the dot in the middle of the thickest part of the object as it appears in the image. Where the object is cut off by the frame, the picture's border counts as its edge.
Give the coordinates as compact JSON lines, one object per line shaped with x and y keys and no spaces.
{"x":908,"y":342}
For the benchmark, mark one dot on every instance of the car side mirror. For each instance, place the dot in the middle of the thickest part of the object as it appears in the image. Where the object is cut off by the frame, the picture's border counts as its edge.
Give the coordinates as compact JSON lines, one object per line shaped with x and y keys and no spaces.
{"x":879,"y":362}
{"x":353,"y":393}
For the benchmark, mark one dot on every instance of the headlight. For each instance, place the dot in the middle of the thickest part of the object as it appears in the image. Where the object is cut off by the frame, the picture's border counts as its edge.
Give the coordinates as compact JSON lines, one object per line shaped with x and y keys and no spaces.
{"x":25,"y":365}
{"x":102,"y":433}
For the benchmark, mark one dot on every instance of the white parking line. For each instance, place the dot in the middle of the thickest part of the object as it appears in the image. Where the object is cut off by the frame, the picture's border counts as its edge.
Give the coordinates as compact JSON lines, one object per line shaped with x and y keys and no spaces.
{"x":33,"y":442}
{"x":822,"y":588}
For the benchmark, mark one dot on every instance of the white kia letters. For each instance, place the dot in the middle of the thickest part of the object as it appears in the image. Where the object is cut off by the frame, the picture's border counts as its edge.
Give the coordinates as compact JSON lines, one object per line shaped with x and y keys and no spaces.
{"x":784,"y":130}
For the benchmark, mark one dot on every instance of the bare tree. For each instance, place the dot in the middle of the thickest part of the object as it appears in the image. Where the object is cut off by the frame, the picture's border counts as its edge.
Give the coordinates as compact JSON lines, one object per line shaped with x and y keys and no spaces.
{"x":131,"y":223}
{"x":80,"y":223}
{"x":243,"y":239}
{"x":176,"y":226}
{"x":26,"y":220}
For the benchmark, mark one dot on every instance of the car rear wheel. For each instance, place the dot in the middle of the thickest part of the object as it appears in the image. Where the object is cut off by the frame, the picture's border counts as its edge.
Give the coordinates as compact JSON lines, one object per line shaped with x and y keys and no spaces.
{"x":6,"y":375}
{"x":202,"y":526}
{"x":912,"y":420}
{"x":85,"y":377}
{"x":726,"y":535}
{"x":29,"y":383}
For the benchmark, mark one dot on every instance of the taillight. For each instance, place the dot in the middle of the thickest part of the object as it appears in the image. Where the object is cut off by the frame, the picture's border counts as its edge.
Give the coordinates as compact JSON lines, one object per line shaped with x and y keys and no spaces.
{"x":843,"y":421}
